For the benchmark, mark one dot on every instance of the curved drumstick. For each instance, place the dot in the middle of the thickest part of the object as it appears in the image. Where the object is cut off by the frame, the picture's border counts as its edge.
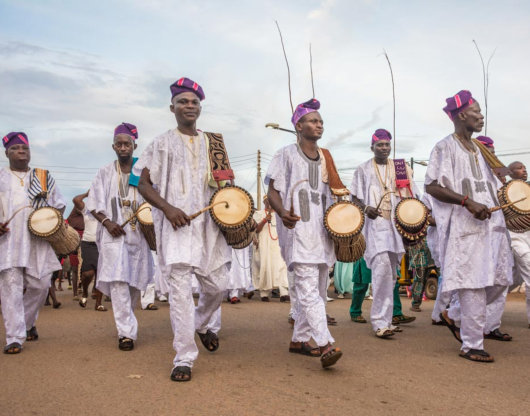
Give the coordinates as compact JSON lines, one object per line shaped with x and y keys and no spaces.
{"x":134,"y":215}
{"x":506,"y":205}
{"x":193,"y":216}
{"x":15,"y":213}
{"x":291,"y":210}
{"x":383,"y":197}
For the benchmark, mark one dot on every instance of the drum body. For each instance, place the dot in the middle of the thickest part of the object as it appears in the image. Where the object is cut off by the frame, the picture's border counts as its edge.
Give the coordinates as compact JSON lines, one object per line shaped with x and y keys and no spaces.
{"x":145,"y":218}
{"x":344,"y":222}
{"x":232,"y":212}
{"x":47,"y":223}
{"x":517,"y":216}
{"x":410,"y":219}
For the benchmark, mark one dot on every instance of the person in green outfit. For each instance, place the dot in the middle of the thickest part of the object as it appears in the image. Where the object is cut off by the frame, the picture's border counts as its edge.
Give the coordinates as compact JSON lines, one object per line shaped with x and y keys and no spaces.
{"x":362,"y":277}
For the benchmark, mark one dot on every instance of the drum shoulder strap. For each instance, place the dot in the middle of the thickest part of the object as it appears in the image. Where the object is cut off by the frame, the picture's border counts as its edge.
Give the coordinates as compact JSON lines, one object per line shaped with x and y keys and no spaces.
{"x":493,"y":161}
{"x":42,"y":176}
{"x":220,"y":165}
{"x":335,"y":183}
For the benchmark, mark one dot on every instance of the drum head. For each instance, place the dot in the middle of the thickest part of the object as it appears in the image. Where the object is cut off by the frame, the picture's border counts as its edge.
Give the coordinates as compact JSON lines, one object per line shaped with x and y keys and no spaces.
{"x":411,"y":212}
{"x":44,"y":221}
{"x":239,"y":206}
{"x":344,"y":218}
{"x":144,"y":214}
{"x":516,"y":190}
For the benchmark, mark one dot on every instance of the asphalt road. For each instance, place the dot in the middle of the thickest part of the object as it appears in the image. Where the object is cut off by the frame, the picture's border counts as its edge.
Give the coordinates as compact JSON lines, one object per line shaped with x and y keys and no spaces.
{"x":75,"y":368}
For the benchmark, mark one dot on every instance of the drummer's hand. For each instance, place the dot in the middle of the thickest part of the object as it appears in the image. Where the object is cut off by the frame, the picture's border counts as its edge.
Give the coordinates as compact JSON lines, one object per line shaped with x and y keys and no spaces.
{"x":176,"y":217}
{"x":3,"y":229}
{"x":288,"y":219}
{"x":114,"y":229}
{"x":372,"y":212}
{"x":431,"y":221}
{"x":479,"y":211}
{"x":268,"y":217}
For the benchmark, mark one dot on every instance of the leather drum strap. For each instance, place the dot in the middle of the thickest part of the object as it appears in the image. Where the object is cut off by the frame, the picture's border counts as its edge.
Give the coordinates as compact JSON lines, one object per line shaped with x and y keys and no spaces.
{"x":220,"y":165}
{"x":335,"y":183}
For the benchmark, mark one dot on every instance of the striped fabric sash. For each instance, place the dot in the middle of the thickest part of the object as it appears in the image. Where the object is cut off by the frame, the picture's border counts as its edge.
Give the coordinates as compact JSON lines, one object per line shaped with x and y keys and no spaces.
{"x":41,"y":184}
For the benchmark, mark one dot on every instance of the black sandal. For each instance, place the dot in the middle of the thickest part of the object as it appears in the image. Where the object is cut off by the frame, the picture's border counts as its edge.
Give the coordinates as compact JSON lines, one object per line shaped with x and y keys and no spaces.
{"x":330,"y":356}
{"x":497,"y":335}
{"x":125,"y":344}
{"x":32,"y":334}
{"x":475,"y":355}
{"x":13,"y":348}
{"x":449,"y":323}
{"x":305,"y":349}
{"x":181,"y":371}
{"x":210,"y":340}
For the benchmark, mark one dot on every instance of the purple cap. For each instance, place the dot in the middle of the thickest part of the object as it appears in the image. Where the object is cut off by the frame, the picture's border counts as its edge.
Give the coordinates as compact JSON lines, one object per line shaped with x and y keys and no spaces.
{"x":128,"y":129}
{"x":381,"y":134}
{"x":486,"y":141}
{"x":305,"y":108}
{"x":457,"y":103}
{"x":15,"y":138}
{"x":186,"y":85}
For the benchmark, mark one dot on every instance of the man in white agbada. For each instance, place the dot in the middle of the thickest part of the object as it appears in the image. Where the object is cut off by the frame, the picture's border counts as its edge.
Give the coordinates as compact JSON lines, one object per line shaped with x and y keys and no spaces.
{"x":25,"y":261}
{"x":175,"y":180}
{"x":474,"y":251}
{"x":125,"y":265}
{"x":268,"y":268}
{"x":374,"y":184}
{"x":295,"y":176}
{"x":239,"y":280}
{"x":521,"y":241}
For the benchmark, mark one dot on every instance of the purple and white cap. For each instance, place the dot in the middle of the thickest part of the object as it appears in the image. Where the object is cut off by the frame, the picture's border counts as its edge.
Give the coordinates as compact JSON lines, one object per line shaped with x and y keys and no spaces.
{"x":381,"y":134}
{"x":457,"y":103}
{"x":13,"y":138}
{"x":301,"y":110}
{"x":186,"y":85}
{"x":128,"y":129}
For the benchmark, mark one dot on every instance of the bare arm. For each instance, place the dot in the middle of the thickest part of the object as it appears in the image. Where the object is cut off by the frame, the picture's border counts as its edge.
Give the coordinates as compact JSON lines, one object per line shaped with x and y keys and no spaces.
{"x":79,"y":204}
{"x":479,"y":211}
{"x":175,"y":216}
{"x":113,"y":228}
{"x":277,"y":205}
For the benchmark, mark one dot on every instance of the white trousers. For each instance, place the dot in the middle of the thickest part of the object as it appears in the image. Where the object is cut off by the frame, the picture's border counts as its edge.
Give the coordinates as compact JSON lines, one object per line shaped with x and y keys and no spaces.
{"x":147,"y":295}
{"x":186,"y":319}
{"x":383,"y":282}
{"x":477,"y":312}
{"x":442,"y":300}
{"x":522,"y":266}
{"x":34,"y":298}
{"x":11,"y":288}
{"x":292,"y":294}
{"x":310,"y":285}
{"x":124,"y":299}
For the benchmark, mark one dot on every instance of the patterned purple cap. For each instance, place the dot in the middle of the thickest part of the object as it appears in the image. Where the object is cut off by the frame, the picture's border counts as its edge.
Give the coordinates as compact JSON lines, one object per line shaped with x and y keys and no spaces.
{"x":186,"y":85}
{"x":381,"y":134}
{"x":486,"y":141}
{"x":128,"y":129}
{"x":457,"y":103}
{"x":15,"y":138}
{"x":303,"y":109}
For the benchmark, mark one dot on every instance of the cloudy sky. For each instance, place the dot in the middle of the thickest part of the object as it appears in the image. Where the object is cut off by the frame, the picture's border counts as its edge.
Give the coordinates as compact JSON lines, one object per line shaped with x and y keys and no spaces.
{"x":71,"y":71}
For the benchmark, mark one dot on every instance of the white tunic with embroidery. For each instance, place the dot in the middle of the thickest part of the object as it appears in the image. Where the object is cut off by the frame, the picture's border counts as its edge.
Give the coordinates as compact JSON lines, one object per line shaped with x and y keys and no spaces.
{"x":432,"y":231}
{"x":19,"y":247}
{"x":380,"y":234}
{"x":308,"y":242}
{"x":472,"y":253}
{"x":125,"y":258}
{"x":179,"y":171}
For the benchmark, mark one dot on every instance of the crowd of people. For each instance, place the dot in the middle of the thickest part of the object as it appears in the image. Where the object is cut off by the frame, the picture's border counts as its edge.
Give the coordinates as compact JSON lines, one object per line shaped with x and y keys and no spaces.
{"x":289,"y":250}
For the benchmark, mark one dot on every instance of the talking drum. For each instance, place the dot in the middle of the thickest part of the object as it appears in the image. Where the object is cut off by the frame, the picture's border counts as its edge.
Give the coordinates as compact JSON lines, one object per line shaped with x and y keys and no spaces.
{"x":145,"y":218}
{"x":344,"y":221}
{"x":411,"y":219}
{"x":232,"y":210}
{"x":517,"y":216}
{"x":47,"y":223}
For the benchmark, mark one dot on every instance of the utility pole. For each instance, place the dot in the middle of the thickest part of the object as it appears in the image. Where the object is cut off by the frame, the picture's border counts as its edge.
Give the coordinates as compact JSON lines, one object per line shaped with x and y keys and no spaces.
{"x":412,"y":163}
{"x":258,"y":180}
